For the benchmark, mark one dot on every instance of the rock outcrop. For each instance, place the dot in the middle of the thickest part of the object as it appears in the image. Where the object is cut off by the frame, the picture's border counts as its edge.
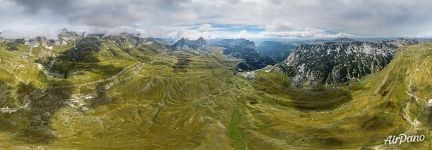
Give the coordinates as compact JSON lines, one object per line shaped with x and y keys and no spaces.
{"x":338,"y":62}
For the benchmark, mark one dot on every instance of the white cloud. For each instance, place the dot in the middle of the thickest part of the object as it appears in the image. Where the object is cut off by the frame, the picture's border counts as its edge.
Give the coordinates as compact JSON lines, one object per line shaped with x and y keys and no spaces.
{"x":306,"y":33}
{"x":205,"y":28}
{"x":282,"y":18}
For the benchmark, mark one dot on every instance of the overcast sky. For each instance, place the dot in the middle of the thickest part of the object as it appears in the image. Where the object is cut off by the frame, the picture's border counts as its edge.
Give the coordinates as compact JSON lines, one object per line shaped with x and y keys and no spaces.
{"x":220,"y":18}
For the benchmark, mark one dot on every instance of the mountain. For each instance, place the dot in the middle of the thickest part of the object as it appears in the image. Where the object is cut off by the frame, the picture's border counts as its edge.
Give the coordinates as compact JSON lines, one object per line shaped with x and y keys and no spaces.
{"x":277,"y":51}
{"x":65,"y":36}
{"x":133,"y":95}
{"x":337,"y":62}
{"x":396,"y":99}
{"x":38,"y":91}
{"x":82,"y":52}
{"x":190,"y":44}
{"x":402,"y":42}
{"x":341,"y":40}
{"x":126,"y":40}
{"x":158,"y":41}
{"x":246,"y":50}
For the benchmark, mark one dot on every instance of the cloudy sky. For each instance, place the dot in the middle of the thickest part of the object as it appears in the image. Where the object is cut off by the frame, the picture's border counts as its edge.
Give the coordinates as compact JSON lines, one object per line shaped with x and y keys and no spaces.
{"x":220,"y":18}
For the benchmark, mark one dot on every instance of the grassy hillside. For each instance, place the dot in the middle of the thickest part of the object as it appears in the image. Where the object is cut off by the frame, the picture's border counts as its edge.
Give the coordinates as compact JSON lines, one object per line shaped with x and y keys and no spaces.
{"x":141,"y":97}
{"x":357,"y":115}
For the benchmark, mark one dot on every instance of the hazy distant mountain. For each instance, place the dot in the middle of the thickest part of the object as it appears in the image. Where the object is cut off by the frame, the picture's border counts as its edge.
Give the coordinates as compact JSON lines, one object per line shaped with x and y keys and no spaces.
{"x":190,"y":44}
{"x":401,"y":42}
{"x":343,"y":40}
{"x":156,"y":41}
{"x":275,"y":50}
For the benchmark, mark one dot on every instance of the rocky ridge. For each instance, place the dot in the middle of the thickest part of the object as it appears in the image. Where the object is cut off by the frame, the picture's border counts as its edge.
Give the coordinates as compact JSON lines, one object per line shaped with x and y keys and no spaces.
{"x":338,"y":62}
{"x":184,"y":43}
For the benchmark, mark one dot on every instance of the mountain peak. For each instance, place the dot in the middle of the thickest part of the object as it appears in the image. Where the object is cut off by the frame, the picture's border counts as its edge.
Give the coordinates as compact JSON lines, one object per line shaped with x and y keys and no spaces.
{"x":237,"y":43}
{"x":66,"y":35}
{"x":403,"y":41}
{"x":184,"y":43}
{"x":344,"y":39}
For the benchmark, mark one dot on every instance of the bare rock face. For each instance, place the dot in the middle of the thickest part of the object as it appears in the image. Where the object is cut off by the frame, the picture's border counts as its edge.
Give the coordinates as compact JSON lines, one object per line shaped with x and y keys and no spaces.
{"x":65,"y":36}
{"x":338,"y":62}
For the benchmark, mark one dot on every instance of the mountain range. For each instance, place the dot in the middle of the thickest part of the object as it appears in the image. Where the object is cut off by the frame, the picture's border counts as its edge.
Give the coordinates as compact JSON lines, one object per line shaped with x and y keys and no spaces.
{"x":338,"y":62}
{"x":123,"y":91}
{"x":246,"y":50}
{"x":190,"y":44}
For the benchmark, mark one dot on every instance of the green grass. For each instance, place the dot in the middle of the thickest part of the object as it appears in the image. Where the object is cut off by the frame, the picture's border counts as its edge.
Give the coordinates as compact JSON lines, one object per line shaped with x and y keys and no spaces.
{"x":236,"y":133}
{"x":204,"y":106}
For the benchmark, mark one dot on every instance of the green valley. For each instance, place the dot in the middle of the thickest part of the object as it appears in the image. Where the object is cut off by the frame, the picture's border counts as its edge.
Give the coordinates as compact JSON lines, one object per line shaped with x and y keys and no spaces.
{"x":113,"y":93}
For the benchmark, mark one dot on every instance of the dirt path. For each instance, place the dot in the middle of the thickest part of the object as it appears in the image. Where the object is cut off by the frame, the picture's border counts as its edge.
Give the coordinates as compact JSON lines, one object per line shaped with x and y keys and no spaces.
{"x":415,"y":124}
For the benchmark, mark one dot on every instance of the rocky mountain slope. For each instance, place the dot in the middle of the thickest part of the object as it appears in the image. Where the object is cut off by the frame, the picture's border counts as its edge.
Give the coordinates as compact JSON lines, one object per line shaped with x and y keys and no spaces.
{"x":65,"y":36}
{"x":246,"y":50}
{"x":338,"y":62}
{"x":395,"y":100}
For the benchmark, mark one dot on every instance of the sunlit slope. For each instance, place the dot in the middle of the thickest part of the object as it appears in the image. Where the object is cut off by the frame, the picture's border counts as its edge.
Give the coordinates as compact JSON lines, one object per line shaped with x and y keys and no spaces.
{"x":407,"y":83}
{"x":159,"y":107}
{"x":144,"y":98}
{"x":359,"y":115}
{"x":175,"y":100}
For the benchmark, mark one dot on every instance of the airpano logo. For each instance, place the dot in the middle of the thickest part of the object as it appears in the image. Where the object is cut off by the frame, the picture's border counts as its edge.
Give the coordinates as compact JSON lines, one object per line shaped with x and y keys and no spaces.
{"x":402,"y":138}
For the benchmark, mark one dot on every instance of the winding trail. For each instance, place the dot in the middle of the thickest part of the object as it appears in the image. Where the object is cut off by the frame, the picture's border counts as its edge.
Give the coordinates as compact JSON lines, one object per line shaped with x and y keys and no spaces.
{"x":415,"y":124}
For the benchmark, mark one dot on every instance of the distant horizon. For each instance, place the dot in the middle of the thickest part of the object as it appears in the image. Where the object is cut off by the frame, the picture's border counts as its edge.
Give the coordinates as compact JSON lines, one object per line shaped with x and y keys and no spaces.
{"x":58,"y":31}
